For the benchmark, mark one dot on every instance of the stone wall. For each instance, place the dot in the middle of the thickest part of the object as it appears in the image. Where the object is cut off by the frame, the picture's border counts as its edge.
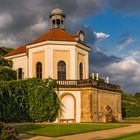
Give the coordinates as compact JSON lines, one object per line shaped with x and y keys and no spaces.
{"x":98,"y":105}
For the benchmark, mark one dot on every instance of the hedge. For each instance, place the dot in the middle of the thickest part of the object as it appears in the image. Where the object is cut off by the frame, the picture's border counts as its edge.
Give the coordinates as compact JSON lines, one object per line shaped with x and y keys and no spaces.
{"x":130,"y":110}
{"x":28,"y":100}
{"x":130,"y":106}
{"x":7,"y":74}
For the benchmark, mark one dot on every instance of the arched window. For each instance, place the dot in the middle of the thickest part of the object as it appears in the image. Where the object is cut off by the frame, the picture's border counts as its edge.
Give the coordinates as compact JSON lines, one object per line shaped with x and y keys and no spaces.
{"x":61,"y":70}
{"x":39,"y":70}
{"x":53,"y":24}
{"x":81,"y":71}
{"x":58,"y":23}
{"x":20,"y":73}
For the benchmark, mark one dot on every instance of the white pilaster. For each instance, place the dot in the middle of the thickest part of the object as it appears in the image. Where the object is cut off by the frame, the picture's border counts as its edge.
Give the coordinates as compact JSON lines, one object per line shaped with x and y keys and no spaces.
{"x":49,"y":62}
{"x":46,"y":64}
{"x":73,"y":56}
{"x":30,"y":64}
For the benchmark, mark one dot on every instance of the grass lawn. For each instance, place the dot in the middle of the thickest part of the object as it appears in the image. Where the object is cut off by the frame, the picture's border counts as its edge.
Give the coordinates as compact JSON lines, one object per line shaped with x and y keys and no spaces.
{"x":54,"y":130}
{"x":131,"y":136}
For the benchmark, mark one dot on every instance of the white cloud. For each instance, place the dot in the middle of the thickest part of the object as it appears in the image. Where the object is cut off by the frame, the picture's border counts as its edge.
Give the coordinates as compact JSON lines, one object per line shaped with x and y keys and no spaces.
{"x":125,"y":43}
{"x":135,"y":54}
{"x":126,"y":64}
{"x":101,"y":35}
{"x":98,"y":49}
{"x":40,"y":26}
{"x":5,"y":20}
{"x":125,"y":73}
{"x":86,"y":26}
{"x":8,"y":42}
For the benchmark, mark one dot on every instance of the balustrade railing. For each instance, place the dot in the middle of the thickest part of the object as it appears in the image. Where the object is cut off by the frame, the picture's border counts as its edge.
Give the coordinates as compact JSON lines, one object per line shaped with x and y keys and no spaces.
{"x":87,"y":83}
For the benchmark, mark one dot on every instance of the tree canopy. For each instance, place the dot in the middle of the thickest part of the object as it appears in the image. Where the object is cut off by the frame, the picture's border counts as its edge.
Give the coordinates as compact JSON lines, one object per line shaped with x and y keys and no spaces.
{"x":6,"y":72}
{"x":131,"y":105}
{"x":4,"y":50}
{"x":29,"y":100}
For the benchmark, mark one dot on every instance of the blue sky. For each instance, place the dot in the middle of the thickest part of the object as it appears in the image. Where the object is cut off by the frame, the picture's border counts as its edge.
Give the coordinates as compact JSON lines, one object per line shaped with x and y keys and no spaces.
{"x":123,"y":42}
{"x":117,"y":25}
{"x":112,"y":29}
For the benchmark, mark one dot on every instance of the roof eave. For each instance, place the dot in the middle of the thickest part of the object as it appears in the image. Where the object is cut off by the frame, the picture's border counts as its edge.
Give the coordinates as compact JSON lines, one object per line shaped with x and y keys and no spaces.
{"x":15,"y":56}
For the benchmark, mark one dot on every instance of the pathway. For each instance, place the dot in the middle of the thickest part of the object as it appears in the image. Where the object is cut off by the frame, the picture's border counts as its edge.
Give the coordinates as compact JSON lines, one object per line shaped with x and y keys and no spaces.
{"x":98,"y":135}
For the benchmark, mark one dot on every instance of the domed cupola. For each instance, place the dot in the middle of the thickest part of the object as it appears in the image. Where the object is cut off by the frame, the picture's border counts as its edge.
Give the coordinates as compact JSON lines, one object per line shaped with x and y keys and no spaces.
{"x":57,"y":19}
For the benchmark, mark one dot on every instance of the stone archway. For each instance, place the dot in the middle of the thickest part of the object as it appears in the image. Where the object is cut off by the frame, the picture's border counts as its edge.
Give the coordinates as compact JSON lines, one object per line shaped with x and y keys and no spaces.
{"x":68,"y":112}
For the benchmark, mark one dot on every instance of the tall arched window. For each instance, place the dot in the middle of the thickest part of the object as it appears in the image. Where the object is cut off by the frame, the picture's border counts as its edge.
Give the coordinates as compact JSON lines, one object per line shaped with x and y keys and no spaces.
{"x":58,"y":23}
{"x":20,"y":73}
{"x":81,"y":71}
{"x":61,"y":70}
{"x":39,"y":70}
{"x":53,"y":24}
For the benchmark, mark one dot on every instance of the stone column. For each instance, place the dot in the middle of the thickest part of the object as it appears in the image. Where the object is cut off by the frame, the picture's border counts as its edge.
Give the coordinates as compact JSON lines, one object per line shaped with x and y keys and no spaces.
{"x":86,"y":106}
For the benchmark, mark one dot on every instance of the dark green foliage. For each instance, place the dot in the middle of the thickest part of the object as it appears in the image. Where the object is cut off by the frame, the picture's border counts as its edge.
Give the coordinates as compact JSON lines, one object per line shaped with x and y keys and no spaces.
{"x":4,"y":50}
{"x":130,"y":105}
{"x":137,"y":96}
{"x":28,"y":100}
{"x":4,"y":62}
{"x":7,"y":132}
{"x":6,"y":72}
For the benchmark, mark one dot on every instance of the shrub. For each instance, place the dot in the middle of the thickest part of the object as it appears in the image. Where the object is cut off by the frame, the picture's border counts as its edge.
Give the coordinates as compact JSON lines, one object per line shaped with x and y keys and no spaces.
{"x":5,"y":62}
{"x":7,"y":74}
{"x":28,"y":100}
{"x":130,"y":105}
{"x":7,"y":132}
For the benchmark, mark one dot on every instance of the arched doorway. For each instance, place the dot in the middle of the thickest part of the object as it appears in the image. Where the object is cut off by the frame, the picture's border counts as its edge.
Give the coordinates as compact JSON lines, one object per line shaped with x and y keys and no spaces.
{"x":68,"y":112}
{"x":61,"y":70}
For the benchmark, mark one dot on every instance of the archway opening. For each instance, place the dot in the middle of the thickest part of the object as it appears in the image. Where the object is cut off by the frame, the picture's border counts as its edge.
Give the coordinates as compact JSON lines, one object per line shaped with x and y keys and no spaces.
{"x":69,"y":108}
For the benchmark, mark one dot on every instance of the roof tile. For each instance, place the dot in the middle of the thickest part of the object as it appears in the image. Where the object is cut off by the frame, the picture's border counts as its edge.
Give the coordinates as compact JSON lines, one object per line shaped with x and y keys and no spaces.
{"x":52,"y":35}
{"x":19,"y":50}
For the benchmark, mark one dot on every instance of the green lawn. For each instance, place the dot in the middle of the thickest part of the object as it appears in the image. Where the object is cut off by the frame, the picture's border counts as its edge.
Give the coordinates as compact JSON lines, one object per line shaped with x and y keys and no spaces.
{"x":54,"y":130}
{"x":131,"y":136}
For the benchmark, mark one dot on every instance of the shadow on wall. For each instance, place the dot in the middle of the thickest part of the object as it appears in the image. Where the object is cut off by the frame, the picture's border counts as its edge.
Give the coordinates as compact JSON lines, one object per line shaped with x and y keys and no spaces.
{"x":109,"y":115}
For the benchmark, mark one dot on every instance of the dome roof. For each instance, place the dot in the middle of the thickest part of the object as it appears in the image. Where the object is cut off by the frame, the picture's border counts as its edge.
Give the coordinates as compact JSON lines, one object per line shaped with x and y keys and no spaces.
{"x":57,"y":11}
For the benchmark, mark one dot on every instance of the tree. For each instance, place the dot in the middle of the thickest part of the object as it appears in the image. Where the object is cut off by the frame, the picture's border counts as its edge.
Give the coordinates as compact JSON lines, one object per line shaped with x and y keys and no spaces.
{"x":4,"y":50}
{"x":29,"y":100}
{"x":6,"y":72}
{"x":4,"y":62}
{"x":137,"y":96}
{"x":130,"y":105}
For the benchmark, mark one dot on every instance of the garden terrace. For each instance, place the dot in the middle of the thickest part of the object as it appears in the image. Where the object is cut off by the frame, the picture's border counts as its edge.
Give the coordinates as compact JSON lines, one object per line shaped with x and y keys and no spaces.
{"x":87,"y":83}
